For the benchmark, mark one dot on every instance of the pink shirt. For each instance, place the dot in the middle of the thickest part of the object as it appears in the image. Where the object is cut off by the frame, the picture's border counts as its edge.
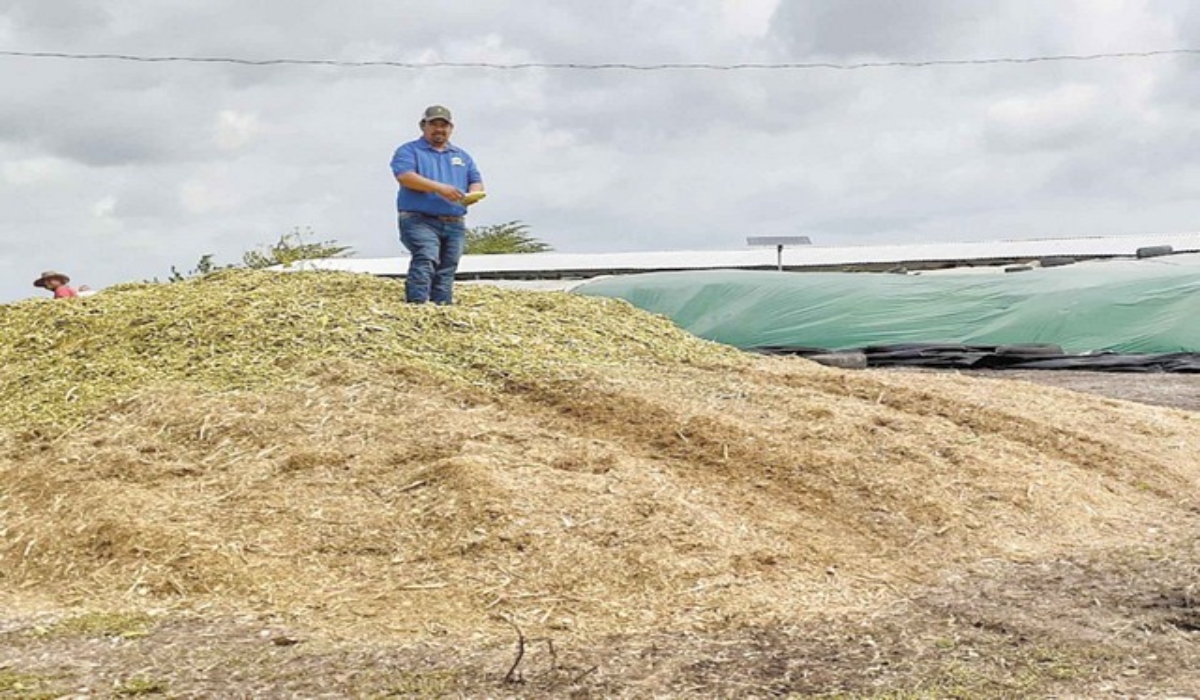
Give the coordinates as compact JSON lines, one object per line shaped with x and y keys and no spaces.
{"x":65,"y":292}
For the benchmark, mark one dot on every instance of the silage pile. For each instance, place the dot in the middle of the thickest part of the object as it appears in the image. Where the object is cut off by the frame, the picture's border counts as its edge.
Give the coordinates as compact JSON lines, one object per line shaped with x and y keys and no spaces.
{"x":308,"y":444}
{"x":245,"y":330}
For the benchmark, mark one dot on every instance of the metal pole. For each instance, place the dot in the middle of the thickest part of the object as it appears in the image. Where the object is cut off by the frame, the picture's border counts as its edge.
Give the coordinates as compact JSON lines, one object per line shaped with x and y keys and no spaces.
{"x":779,"y":242}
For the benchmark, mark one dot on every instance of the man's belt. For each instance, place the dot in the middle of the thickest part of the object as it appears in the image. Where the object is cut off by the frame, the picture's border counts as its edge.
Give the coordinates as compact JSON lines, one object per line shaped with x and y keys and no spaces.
{"x":439,"y":217}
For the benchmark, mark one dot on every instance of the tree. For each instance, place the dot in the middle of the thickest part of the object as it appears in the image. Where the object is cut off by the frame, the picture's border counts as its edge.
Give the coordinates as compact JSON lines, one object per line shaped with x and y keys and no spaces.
{"x":203,"y":267}
{"x":290,"y":248}
{"x":511,"y":237}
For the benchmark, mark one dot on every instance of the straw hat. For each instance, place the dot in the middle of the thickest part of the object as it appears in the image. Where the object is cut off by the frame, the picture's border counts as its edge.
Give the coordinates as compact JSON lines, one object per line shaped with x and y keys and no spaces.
{"x":50,"y":275}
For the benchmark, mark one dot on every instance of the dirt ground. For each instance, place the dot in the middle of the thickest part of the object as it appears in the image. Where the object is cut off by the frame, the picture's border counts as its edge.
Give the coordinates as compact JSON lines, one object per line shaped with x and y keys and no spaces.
{"x":1154,"y":388}
{"x":1080,"y":628}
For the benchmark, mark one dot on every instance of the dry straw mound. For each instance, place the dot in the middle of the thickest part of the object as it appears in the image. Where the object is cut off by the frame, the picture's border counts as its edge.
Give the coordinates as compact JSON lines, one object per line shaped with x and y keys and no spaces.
{"x":309,"y":444}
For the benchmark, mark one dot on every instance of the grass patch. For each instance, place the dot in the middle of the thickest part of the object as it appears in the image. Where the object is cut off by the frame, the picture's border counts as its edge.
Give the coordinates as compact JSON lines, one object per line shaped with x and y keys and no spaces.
{"x":134,"y":687}
{"x":124,"y":626}
{"x":1000,"y":673}
{"x":25,"y":686}
{"x":982,"y":671}
{"x":420,"y":684}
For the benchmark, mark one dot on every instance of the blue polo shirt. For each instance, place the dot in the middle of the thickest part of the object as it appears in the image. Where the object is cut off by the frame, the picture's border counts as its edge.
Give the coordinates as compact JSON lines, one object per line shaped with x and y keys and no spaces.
{"x":453,"y":166}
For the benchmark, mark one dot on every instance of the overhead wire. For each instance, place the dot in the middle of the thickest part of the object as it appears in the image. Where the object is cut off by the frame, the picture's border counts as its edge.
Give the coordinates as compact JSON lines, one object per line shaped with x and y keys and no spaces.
{"x":410,"y":65}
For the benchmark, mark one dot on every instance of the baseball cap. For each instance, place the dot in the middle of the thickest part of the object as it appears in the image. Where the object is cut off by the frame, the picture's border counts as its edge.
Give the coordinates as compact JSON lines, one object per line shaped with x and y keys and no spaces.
{"x":437,"y":112}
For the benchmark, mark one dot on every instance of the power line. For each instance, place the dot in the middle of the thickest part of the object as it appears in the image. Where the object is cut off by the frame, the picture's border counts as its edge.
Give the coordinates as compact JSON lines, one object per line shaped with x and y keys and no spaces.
{"x":597,"y":66}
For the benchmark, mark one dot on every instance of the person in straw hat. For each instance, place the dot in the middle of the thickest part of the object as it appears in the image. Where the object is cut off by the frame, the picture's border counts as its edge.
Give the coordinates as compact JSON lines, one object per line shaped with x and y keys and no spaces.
{"x":56,"y":282}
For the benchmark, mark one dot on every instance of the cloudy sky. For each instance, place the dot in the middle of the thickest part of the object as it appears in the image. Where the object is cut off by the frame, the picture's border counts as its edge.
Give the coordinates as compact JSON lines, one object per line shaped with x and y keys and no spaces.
{"x":116,"y":171}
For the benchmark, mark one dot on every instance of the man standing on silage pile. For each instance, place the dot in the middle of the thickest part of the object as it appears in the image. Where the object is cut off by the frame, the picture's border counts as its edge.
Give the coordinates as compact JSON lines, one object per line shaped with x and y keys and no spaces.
{"x":435,"y":178}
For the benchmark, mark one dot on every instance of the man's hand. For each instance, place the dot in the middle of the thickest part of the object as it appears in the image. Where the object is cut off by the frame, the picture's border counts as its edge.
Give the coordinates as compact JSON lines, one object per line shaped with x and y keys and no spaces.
{"x":450,"y":192}
{"x":420,"y":183}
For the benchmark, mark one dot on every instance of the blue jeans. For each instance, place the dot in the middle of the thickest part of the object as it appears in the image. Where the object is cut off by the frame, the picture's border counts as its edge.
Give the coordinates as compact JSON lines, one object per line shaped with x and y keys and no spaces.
{"x":435,"y":246}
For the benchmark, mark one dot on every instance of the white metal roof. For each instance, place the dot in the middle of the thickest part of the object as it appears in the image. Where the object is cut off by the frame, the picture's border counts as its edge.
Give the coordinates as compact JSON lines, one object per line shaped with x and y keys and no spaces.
{"x":795,"y":257}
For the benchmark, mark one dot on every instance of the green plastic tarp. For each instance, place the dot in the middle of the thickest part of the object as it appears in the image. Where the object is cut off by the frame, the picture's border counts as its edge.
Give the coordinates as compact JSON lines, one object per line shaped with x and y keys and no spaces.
{"x":1130,"y":306}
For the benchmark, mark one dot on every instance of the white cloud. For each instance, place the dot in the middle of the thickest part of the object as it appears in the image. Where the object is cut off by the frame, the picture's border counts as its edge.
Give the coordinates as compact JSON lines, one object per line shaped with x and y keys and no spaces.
{"x":104,"y":207}
{"x":750,"y":18}
{"x":1070,"y":113}
{"x":181,"y":160}
{"x":210,"y":193}
{"x":234,"y":129}
{"x":34,"y":171}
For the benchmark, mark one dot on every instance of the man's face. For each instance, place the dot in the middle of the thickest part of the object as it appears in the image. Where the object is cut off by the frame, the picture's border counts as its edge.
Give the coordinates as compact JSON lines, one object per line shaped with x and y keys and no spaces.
{"x":437,"y":131}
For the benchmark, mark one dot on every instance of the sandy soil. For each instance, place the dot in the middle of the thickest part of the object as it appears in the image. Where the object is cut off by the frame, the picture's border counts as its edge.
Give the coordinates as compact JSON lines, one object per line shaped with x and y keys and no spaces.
{"x":1115,"y":627}
{"x":1157,"y":389}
